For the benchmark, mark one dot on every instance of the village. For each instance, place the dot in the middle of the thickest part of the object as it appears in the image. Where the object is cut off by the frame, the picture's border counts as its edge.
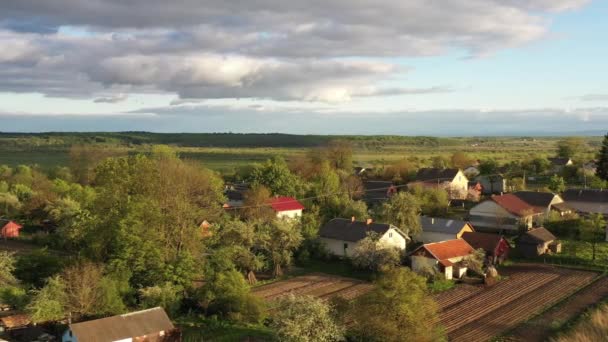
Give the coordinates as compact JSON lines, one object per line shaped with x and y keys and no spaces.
{"x":493,"y":254}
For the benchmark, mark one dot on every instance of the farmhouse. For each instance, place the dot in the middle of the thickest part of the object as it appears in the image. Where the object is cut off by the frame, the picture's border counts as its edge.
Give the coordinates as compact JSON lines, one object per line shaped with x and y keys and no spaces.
{"x":545,"y":201}
{"x":440,"y":229}
{"x":9,"y":229}
{"x":341,"y":236}
{"x":505,"y":212}
{"x":587,"y":201}
{"x":558,"y":164}
{"x":495,"y":246}
{"x":146,"y":325}
{"x":445,"y":257}
{"x":452,"y":180}
{"x":286,"y":207}
{"x":537,"y":242}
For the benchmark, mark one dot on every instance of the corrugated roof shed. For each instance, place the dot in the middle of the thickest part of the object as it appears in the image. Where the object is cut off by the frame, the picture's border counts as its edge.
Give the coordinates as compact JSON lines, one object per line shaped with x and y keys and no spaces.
{"x":537,"y":235}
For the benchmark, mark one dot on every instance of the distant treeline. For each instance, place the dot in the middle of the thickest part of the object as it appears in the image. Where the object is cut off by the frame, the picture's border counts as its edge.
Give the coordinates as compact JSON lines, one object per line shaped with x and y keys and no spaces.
{"x":60,"y":140}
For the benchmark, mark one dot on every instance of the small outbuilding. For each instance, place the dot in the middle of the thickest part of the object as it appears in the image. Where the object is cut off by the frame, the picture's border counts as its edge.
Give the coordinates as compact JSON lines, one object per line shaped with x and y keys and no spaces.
{"x":495,"y":246}
{"x":10,"y":229}
{"x":286,"y":207}
{"x":537,"y":241}
{"x":441,"y":229}
{"x":445,"y":257}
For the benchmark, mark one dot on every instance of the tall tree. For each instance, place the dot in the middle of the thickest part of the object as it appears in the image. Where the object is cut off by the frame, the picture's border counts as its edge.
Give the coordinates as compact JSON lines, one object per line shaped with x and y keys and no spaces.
{"x":340,"y":154}
{"x":399,"y":305}
{"x":602,"y":160}
{"x":279,"y":239}
{"x":570,"y":147}
{"x":275,"y":175}
{"x":403,"y":210}
{"x":593,"y":231}
{"x":460,"y":160}
{"x":371,"y":254}
{"x":557,"y":184}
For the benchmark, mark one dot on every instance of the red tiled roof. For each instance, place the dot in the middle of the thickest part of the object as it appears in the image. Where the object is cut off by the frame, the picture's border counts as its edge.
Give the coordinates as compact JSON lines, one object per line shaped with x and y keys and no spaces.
{"x":12,"y":225}
{"x":515,"y":205}
{"x":448,"y":249}
{"x":285,"y":204}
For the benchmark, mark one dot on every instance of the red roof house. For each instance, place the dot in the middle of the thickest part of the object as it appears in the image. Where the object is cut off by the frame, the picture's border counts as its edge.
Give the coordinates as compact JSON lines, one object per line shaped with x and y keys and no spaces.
{"x":286,"y":206}
{"x":506,"y":212}
{"x":445,"y":257}
{"x":9,"y":229}
{"x":515,"y":205}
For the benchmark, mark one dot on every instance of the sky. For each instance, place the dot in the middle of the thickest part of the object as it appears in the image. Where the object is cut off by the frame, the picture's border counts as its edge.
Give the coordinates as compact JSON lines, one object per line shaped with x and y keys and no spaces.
{"x":445,"y":67}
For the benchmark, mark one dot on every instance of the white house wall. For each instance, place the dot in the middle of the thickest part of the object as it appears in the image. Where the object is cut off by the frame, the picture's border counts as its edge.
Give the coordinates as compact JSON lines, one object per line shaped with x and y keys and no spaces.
{"x":392,"y":238}
{"x":289,"y":213}
{"x":336,"y":247}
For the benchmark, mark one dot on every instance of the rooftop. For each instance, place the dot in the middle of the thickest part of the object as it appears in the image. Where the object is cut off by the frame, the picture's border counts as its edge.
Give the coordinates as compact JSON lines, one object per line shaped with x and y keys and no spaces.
{"x":448,"y":249}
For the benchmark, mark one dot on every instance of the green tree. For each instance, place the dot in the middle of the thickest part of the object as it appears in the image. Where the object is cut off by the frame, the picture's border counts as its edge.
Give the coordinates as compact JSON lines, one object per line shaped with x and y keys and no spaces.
{"x":593,"y":231}
{"x":602,"y":160}
{"x":439,"y":162}
{"x":255,"y":204}
{"x":168,"y":296}
{"x":403,"y":211}
{"x":275,"y":175}
{"x":9,"y":204}
{"x":241,"y":242}
{"x":340,"y":154}
{"x":570,"y":147}
{"x":398,"y":306}
{"x":7,"y":267}
{"x":35,"y":267}
{"x":47,"y":304}
{"x":279,"y":239}
{"x":557,"y":184}
{"x":460,"y":160}
{"x":433,"y":202}
{"x":305,"y":319}
{"x":371,"y":254}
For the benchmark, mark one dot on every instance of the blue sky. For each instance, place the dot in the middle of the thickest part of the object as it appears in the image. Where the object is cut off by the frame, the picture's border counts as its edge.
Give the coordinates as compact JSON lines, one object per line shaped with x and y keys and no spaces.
{"x":453,"y":67}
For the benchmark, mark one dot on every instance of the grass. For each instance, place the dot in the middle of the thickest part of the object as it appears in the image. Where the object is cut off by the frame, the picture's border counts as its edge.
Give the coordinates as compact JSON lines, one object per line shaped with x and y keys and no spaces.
{"x":579,"y":253}
{"x":591,"y":326}
{"x":440,"y":285}
{"x":195,"y":329}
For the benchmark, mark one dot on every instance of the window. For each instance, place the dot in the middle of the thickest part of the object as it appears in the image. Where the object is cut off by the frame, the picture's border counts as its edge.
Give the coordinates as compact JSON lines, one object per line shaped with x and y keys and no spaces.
{"x":345,"y":245}
{"x":390,"y":235}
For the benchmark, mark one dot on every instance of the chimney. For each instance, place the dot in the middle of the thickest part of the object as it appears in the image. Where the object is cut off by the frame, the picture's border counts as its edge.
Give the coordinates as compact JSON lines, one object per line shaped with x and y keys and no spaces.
{"x":369,"y":221}
{"x":352,"y":219}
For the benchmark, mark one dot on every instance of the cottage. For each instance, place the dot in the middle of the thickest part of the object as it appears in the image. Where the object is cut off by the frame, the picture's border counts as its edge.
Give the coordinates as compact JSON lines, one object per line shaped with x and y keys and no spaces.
{"x":377,"y":191}
{"x":495,"y":246}
{"x":445,"y":257}
{"x":587,"y":201}
{"x":146,"y":325}
{"x":544,"y":201}
{"x":440,"y":229}
{"x":558,"y":163}
{"x":341,"y":236}
{"x":286,"y":207}
{"x":537,"y":242}
{"x":9,"y":229}
{"x":504,"y":213}
{"x":452,"y":180}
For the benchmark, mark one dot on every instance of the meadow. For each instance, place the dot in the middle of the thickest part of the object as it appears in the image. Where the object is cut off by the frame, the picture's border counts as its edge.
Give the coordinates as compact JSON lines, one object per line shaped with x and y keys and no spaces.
{"x":228,"y":152}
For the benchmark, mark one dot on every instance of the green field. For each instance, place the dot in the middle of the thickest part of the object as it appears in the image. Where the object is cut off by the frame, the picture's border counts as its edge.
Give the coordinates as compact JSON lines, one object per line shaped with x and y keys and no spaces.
{"x":225,"y":152}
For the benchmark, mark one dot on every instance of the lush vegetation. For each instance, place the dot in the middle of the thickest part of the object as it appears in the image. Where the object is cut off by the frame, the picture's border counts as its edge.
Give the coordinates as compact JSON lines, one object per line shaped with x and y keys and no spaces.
{"x":593,"y":327}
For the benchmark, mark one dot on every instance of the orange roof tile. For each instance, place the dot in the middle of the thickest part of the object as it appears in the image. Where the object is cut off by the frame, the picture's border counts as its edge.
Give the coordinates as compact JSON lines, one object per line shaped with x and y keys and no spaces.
{"x":515,"y":205}
{"x":448,"y":249}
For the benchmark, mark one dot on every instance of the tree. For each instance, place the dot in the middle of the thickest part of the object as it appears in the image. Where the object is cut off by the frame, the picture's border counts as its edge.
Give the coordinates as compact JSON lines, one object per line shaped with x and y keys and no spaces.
{"x":9,"y":204}
{"x":460,"y":160}
{"x":439,"y":162}
{"x":48,"y":303}
{"x":557,"y":184}
{"x":475,"y":261}
{"x":240,"y":241}
{"x":279,"y":239}
{"x":255,"y":204}
{"x":275,"y":175}
{"x":593,"y":230}
{"x":305,"y":319}
{"x":433,"y":202}
{"x":488,"y":167}
{"x":517,"y":184}
{"x":570,"y":147}
{"x":35,"y":267}
{"x":400,"y":172}
{"x":168,"y":296}
{"x":403,"y":210}
{"x":371,"y":254}
{"x":351,"y":185}
{"x":398,"y":304}
{"x":340,"y":154}
{"x":602,"y":160}
{"x":7,"y":267}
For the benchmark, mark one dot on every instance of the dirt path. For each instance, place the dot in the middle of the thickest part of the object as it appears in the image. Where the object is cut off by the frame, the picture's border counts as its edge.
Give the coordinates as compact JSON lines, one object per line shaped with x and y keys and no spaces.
{"x":540,"y":328}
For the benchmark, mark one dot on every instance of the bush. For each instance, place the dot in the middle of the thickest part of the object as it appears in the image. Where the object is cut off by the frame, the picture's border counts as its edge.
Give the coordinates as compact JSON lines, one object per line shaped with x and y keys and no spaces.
{"x":168,"y":296}
{"x":34,"y":268}
{"x":14,"y":296}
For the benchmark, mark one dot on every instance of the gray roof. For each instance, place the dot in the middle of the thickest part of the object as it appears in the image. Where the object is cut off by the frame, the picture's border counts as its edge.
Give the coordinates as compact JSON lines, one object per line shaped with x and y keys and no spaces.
{"x":537,"y":235}
{"x":433,"y":174}
{"x":536,"y":198}
{"x":376,"y":191}
{"x":121,"y":327}
{"x":586,"y":195}
{"x":347,"y":230}
{"x":441,"y":225}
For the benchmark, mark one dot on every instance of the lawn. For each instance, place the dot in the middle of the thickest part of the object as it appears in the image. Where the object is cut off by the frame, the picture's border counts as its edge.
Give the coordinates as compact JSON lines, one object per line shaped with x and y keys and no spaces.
{"x":579,"y":253}
{"x":195,"y":329}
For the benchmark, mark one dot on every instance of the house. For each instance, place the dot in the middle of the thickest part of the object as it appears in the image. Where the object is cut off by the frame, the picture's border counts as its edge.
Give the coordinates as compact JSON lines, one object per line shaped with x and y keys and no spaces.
{"x":440,"y":229}
{"x":10,"y":229}
{"x":504,"y":213}
{"x":452,"y":180}
{"x":146,"y":325}
{"x":537,"y":241}
{"x":495,"y":246}
{"x":587,"y":201}
{"x":545,"y":201}
{"x":377,"y":191}
{"x":286,"y":207}
{"x":494,"y":184}
{"x":445,"y":257}
{"x":341,"y":236}
{"x":558,"y":163}
{"x":12,"y":322}
{"x":471,"y":171}
{"x":235,"y":193}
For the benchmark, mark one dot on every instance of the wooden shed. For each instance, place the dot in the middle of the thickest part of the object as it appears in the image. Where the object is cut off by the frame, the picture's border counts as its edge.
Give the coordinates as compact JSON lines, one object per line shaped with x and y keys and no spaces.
{"x":537,"y":241}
